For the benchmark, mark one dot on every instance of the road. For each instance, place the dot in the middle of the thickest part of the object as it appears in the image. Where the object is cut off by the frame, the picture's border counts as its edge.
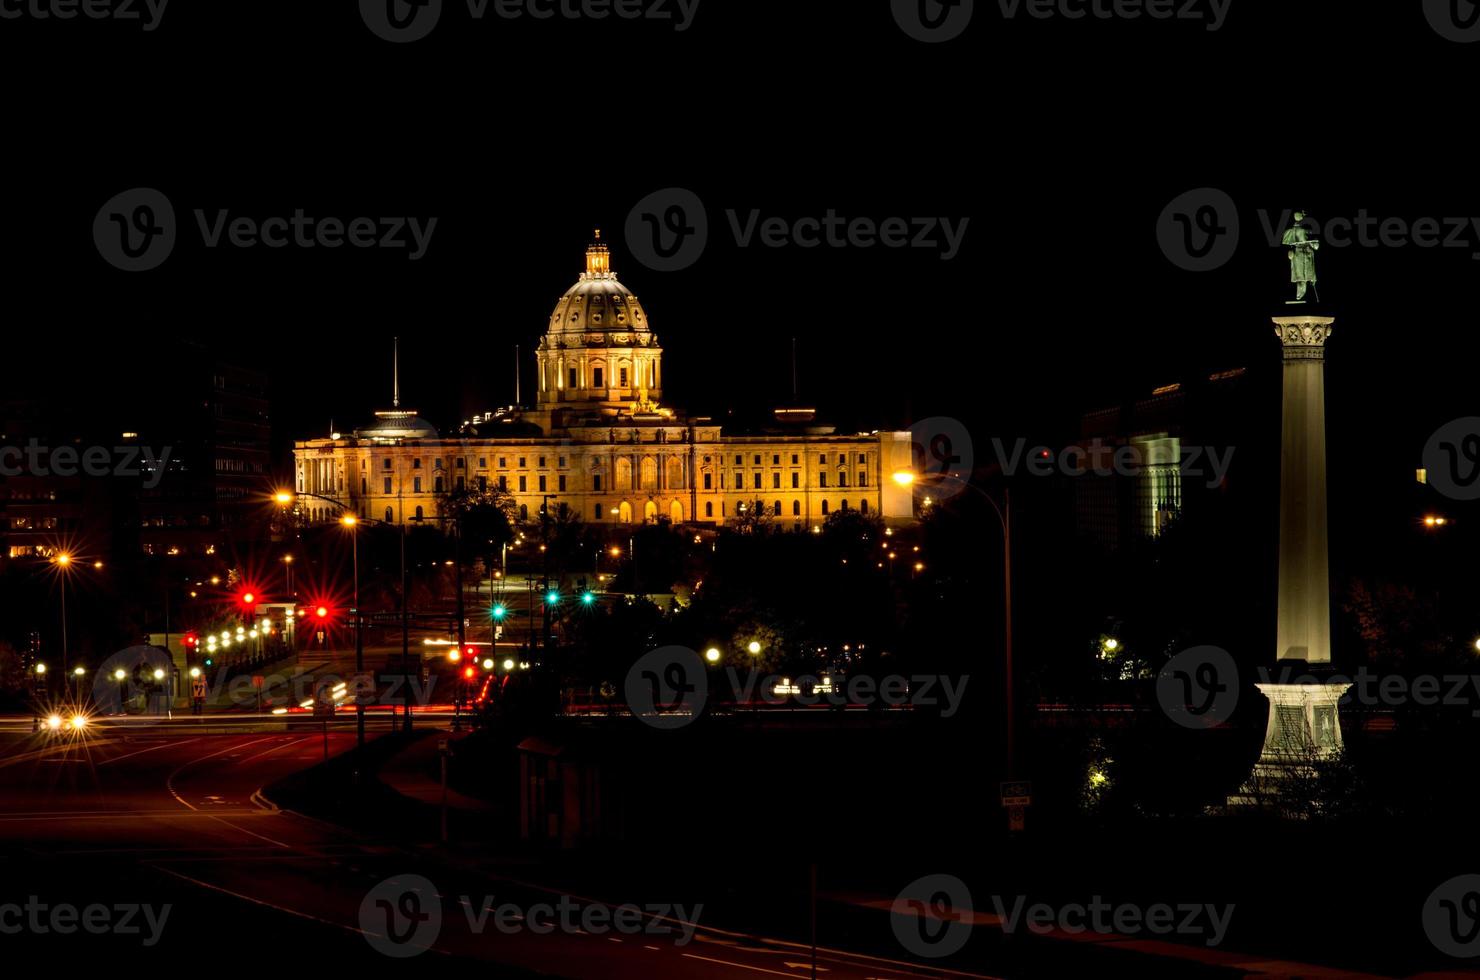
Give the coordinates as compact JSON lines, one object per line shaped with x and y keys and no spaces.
{"x":175,"y":822}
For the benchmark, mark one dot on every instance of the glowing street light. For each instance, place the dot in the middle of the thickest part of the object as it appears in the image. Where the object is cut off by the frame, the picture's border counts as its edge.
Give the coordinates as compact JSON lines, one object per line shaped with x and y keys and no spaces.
{"x":904,"y":478}
{"x":754,"y":647}
{"x":119,"y":675}
{"x":283,"y":497}
{"x":508,"y":664}
{"x":712,"y":655}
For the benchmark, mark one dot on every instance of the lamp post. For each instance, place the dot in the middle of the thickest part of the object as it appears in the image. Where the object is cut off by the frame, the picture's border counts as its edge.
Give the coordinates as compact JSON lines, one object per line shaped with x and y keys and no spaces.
{"x":63,"y":562}
{"x":352,"y":522}
{"x":907,"y":478}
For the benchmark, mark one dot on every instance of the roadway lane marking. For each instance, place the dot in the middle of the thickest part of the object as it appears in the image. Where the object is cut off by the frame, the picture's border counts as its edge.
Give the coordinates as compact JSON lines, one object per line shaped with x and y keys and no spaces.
{"x":169,"y":782}
{"x":162,"y":745}
{"x":275,"y":748}
{"x":280,"y":908}
{"x":743,"y":966}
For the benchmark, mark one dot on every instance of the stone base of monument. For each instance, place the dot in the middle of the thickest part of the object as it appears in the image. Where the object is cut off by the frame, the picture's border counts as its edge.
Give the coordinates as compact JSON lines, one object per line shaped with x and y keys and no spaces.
{"x":1303,"y":731}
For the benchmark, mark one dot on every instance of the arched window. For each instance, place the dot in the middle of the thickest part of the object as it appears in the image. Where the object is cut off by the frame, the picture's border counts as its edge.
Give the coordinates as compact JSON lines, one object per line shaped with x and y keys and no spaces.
{"x":863,"y":506}
{"x":796,"y":508}
{"x":845,"y":504}
{"x":524,"y":512}
{"x":418,"y":513}
{"x":777,"y":509}
{"x":824,"y":507}
{"x":708,"y":508}
{"x":389,"y":516}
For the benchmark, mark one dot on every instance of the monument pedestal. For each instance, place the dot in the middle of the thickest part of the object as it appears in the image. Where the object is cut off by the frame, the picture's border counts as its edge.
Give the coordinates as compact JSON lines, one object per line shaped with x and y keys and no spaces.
{"x":1303,"y":729}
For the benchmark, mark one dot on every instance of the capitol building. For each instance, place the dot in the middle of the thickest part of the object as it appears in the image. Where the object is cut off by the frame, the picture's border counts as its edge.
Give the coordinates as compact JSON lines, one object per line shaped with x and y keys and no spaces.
{"x":600,"y":441}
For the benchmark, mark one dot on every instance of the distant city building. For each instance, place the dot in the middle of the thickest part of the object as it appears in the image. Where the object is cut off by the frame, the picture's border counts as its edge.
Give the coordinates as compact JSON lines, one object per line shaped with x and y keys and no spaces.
{"x":600,"y":442}
{"x":1166,"y":436}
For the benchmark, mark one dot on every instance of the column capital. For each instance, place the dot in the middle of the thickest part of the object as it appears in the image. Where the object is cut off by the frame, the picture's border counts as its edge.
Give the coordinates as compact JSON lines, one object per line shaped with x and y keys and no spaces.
{"x":1303,"y":337}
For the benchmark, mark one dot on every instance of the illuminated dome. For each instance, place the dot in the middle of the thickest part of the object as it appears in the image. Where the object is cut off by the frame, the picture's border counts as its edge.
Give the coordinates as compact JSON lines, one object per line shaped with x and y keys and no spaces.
{"x":599,"y":304}
{"x":394,"y":426}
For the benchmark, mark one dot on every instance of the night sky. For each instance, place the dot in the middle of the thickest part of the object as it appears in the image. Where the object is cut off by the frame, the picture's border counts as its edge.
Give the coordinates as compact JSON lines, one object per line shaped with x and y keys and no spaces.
{"x":1061,"y":142}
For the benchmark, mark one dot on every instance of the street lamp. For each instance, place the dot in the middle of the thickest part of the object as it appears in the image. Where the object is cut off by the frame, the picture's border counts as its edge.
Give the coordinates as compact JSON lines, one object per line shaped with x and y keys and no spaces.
{"x":350,"y":521}
{"x":908,"y":478}
{"x":64,"y":563}
{"x":712,"y":655}
{"x":754,"y":647}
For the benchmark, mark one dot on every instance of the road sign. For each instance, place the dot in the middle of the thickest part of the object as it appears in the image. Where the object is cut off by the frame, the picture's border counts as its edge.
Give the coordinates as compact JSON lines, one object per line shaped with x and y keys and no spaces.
{"x":1017,"y":793}
{"x":1015,"y":817}
{"x":257,"y":681}
{"x":198,"y":688}
{"x":442,"y":744}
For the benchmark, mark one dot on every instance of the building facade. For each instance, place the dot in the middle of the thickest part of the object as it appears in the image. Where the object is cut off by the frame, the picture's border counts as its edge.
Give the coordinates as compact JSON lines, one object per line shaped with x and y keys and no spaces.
{"x":600,"y":442}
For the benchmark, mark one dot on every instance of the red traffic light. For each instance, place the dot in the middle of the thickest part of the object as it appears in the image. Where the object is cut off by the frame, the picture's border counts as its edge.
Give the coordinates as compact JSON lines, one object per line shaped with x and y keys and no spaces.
{"x":191,"y":639}
{"x":468,"y":672}
{"x":322,"y":612}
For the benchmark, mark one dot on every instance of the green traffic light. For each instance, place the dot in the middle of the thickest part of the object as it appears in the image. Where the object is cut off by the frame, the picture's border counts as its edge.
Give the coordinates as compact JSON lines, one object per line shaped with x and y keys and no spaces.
{"x":588,"y":598}
{"x":553,"y":597}
{"x":498,"y":611}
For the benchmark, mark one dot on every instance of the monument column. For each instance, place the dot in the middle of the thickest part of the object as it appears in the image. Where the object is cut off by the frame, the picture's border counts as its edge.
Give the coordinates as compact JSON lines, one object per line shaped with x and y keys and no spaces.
{"x":1303,"y":725}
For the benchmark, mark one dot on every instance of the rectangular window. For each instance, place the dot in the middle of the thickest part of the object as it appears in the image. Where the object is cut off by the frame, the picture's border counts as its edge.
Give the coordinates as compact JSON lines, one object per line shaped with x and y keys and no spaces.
{"x":822,"y":479}
{"x":739,"y":459}
{"x":796,"y":480}
{"x":438,"y":487}
{"x":596,"y":482}
{"x":623,"y":383}
{"x":416,"y":464}
{"x":776,"y":459}
{"x":387,"y":484}
{"x":521,"y":462}
{"x":482,"y":462}
{"x":822,"y":460}
{"x":708,"y":481}
{"x":862,"y":458}
{"x":460,"y":482}
{"x":572,"y":377}
{"x":542,"y":462}
{"x":543,"y":488}
{"x":597,"y":515}
{"x":775,"y":481}
{"x":862,"y":478}
{"x":794,"y":459}
{"x":757,"y":481}
{"x":416,"y":485}
{"x":503,"y":462}
{"x":503,"y":483}
{"x":482,"y":483}
{"x":560,"y":484}
{"x":739,"y":480}
{"x":596,"y":377}
{"x":561,"y":461}
{"x":757,"y":459}
{"x":523,"y":484}
{"x":842,"y":478}
{"x":387,"y":462}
